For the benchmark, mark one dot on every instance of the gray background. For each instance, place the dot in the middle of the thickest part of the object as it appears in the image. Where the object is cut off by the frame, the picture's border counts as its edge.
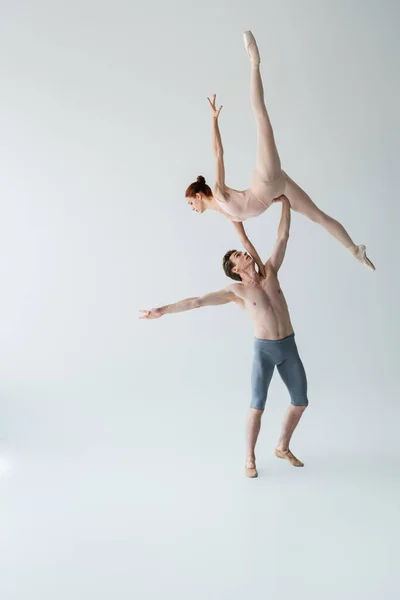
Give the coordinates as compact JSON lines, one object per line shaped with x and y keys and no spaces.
{"x":121,"y":451}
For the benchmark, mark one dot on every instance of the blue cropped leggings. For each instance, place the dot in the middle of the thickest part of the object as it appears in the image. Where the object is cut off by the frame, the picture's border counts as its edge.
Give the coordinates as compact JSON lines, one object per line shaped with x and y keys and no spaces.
{"x":284,"y":355}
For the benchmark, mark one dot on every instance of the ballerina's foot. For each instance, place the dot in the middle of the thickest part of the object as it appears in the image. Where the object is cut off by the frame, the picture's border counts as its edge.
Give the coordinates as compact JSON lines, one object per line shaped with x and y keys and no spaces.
{"x":361,"y":255}
{"x":251,"y":47}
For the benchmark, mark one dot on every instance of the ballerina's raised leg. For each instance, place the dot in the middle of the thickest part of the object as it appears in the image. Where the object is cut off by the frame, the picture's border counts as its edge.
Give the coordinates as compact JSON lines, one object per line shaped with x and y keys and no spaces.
{"x":269,"y":181}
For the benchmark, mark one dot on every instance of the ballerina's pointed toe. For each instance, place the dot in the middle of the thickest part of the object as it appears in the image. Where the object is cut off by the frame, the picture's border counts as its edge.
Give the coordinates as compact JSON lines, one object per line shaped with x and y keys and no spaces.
{"x":360,"y":253}
{"x":251,"y":47}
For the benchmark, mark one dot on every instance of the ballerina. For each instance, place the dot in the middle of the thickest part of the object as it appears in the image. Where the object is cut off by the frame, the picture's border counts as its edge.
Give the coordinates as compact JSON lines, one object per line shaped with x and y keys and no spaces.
{"x":268,"y":181}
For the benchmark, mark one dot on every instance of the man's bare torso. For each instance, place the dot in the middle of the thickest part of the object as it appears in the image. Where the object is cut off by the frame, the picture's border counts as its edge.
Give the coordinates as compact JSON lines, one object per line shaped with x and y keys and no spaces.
{"x":266,"y":305}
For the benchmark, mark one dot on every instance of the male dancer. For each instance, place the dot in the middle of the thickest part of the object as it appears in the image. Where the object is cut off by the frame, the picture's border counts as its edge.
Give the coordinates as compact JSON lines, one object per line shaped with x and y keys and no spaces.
{"x":274,"y":345}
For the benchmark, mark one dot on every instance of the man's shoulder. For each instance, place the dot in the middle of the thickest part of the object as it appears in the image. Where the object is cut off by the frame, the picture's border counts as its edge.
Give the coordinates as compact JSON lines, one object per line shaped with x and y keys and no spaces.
{"x":237,"y":289}
{"x":270,"y":271}
{"x":234,"y":287}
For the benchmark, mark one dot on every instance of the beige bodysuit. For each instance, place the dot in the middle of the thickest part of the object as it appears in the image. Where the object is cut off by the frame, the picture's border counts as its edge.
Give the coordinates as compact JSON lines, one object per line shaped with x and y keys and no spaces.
{"x":240,"y":205}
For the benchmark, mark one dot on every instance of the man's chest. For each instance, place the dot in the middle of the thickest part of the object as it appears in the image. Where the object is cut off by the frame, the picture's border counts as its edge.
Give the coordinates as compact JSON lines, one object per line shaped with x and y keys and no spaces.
{"x":267,"y":294}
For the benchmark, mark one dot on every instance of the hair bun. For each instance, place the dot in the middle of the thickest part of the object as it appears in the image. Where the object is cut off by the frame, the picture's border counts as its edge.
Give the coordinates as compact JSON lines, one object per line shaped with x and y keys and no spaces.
{"x":201,"y":180}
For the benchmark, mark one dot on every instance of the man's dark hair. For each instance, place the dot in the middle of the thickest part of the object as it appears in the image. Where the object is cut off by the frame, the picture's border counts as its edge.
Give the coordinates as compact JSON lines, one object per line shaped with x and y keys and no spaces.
{"x":228,"y":265}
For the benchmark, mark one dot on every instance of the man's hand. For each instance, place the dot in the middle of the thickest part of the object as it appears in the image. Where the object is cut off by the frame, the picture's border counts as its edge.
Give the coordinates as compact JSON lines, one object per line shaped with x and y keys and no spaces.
{"x":215,"y":110}
{"x":154,"y":313}
{"x":281,"y":199}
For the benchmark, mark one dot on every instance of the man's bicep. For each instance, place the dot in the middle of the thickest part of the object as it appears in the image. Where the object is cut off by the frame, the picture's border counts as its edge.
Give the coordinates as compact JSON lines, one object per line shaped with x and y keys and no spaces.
{"x":278,"y":254}
{"x":215,"y":298}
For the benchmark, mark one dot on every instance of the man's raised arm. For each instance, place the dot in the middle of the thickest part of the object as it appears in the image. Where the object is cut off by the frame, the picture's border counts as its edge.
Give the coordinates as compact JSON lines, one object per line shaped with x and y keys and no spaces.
{"x":213,"y":299}
{"x":278,"y":253}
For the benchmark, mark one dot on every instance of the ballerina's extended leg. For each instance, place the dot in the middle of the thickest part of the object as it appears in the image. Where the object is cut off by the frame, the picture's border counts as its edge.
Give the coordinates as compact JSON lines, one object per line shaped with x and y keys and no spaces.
{"x":302,"y":203}
{"x":268,"y":161}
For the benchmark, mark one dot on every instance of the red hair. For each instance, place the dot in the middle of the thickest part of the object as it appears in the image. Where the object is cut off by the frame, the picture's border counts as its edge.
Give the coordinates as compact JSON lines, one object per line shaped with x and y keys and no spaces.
{"x":198,"y":187}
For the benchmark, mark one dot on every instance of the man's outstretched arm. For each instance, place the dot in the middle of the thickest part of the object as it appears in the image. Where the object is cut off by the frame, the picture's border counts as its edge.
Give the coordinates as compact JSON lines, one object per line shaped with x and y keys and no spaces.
{"x":213,"y":299}
{"x":278,"y":253}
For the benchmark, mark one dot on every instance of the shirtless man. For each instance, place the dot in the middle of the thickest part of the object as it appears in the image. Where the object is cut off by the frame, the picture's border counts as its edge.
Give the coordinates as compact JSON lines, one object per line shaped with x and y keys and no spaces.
{"x":274,"y":344}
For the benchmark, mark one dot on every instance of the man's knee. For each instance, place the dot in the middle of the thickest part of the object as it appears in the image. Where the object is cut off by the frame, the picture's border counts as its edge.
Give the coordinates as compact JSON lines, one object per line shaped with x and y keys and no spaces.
{"x":255,"y":413}
{"x":300,"y":404}
{"x":258,"y":402}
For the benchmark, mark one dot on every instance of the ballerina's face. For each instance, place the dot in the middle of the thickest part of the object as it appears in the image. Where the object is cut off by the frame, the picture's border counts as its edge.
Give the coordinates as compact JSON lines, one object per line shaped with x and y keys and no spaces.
{"x":197,"y":203}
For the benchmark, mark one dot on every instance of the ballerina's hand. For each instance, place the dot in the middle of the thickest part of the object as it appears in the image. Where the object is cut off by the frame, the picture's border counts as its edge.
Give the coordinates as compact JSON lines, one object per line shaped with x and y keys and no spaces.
{"x":215,"y":110}
{"x":154,"y":313}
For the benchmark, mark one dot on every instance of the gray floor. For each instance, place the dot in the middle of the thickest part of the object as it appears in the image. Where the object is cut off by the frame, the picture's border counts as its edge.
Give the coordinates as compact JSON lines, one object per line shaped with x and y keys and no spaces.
{"x":104,"y":506}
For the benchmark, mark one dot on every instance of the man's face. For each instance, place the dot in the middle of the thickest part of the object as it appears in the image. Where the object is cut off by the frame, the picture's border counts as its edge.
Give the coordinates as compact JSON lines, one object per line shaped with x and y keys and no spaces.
{"x":241,"y":260}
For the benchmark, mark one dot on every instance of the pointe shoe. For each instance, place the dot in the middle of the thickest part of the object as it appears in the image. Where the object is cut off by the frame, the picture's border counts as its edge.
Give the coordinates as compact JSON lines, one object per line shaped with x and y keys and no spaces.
{"x":251,"y":47}
{"x":250,"y":469}
{"x":288,"y":456}
{"x":360,"y":254}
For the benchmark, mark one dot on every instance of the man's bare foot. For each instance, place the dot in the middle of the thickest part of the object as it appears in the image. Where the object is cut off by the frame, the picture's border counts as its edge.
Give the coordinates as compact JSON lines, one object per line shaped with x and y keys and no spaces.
{"x":288,"y":456}
{"x":250,"y":468}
